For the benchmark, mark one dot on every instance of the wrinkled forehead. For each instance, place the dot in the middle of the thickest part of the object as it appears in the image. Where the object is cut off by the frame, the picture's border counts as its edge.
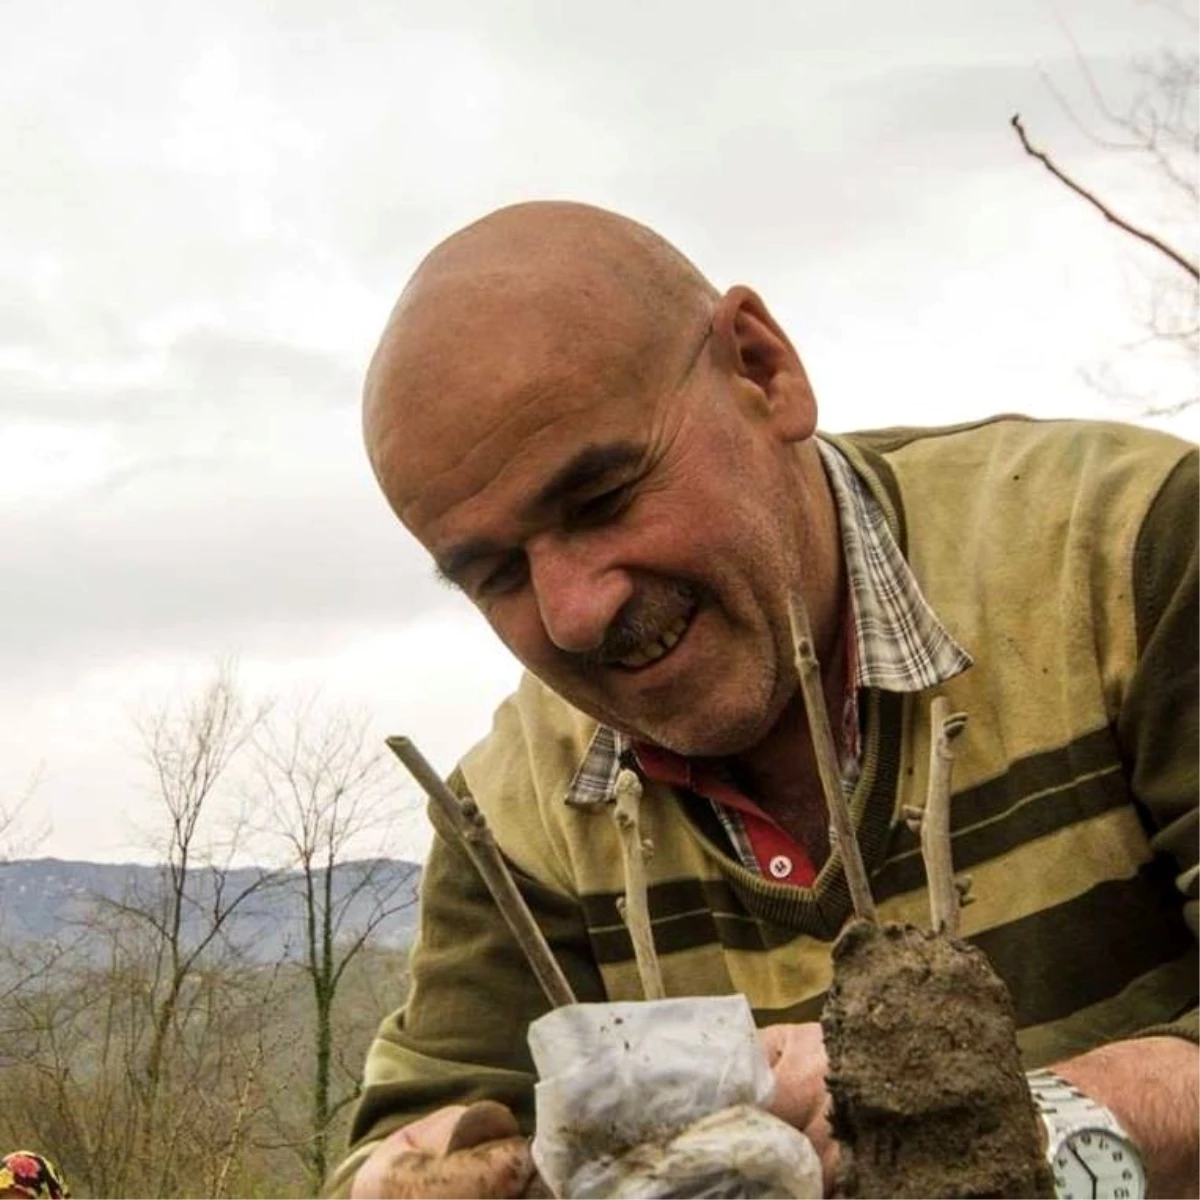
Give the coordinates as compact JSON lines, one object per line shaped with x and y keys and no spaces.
{"x":456,"y":404}
{"x":434,"y":458}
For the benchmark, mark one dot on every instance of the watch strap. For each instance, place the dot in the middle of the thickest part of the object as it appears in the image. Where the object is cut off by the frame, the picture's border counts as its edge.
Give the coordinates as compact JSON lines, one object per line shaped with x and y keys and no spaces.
{"x":1064,"y":1108}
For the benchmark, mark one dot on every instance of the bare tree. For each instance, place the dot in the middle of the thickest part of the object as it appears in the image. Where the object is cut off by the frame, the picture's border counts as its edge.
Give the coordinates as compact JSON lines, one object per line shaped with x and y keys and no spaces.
{"x":1156,"y":135}
{"x":331,"y":798}
{"x":144,"y":1045}
{"x":21,"y":830}
{"x":138,"y":1044}
{"x":173,"y":938}
{"x":75,"y":1039}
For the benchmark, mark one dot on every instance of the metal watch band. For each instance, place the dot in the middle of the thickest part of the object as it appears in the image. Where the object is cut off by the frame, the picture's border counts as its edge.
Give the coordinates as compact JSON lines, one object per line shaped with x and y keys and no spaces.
{"x":1065,"y":1108}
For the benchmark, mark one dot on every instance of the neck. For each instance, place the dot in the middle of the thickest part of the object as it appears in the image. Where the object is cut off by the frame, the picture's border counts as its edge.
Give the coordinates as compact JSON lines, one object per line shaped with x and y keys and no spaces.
{"x":780,"y":773}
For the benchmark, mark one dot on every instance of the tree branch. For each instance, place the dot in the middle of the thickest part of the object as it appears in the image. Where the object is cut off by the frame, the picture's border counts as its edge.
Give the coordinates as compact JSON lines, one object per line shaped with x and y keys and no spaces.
{"x":809,"y":670}
{"x":1142,"y":235}
{"x":472,"y":828}
{"x":635,"y":911}
{"x":944,"y":892}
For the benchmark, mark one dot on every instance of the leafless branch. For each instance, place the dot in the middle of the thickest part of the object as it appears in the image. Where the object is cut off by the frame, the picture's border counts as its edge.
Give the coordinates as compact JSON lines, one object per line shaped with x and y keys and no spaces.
{"x":472,"y":827}
{"x":1109,"y":215}
{"x":809,"y":670}
{"x":934,"y":820}
{"x":635,"y":910}
{"x":18,"y":839}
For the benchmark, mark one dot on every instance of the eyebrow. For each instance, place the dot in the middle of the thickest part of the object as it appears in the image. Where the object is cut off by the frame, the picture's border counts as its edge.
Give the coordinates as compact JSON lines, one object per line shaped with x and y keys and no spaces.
{"x":589,"y":467}
{"x":454,"y":562}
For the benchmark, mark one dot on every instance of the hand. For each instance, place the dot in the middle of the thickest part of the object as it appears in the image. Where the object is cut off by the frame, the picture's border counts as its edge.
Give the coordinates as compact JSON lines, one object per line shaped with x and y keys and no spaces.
{"x":796,"y":1055}
{"x":1151,"y":1085}
{"x":456,"y":1151}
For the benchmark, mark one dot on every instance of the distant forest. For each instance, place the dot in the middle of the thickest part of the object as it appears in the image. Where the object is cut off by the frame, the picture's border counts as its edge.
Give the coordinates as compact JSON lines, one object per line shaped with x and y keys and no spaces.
{"x":198,"y":1027}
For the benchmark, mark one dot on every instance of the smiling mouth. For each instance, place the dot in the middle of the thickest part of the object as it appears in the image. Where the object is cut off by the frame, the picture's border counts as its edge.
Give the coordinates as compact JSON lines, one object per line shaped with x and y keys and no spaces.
{"x":657,"y":647}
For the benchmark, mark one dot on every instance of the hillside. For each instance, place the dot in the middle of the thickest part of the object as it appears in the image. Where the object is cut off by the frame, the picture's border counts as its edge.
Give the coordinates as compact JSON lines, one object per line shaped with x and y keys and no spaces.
{"x":47,"y":898}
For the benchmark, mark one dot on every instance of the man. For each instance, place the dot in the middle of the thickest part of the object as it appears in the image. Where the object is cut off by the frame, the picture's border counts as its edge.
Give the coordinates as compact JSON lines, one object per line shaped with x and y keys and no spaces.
{"x":618,"y":465}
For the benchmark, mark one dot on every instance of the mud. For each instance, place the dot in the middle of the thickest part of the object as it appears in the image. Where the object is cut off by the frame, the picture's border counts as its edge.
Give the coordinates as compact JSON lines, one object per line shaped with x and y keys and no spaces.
{"x":929,"y":1097}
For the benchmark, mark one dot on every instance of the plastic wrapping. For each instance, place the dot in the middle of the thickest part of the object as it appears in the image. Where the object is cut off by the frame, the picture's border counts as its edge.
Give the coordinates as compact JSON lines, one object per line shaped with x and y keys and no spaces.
{"x":662,"y":1098}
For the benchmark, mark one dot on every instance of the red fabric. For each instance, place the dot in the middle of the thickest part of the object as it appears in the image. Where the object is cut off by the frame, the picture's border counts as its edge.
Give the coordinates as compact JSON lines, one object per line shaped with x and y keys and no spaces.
{"x":767,"y":839}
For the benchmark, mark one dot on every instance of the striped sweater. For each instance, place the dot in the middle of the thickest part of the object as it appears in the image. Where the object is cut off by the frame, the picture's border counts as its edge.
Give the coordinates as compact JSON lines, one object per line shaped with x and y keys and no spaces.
{"x":1062,"y":556}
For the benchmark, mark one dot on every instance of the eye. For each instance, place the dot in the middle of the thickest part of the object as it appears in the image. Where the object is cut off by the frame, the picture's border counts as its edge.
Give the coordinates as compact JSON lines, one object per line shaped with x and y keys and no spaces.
{"x":603,"y":507}
{"x":507,"y":576}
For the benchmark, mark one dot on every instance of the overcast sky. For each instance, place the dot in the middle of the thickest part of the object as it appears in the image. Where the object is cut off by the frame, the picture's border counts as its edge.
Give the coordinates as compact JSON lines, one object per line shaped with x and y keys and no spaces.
{"x":208,"y":209}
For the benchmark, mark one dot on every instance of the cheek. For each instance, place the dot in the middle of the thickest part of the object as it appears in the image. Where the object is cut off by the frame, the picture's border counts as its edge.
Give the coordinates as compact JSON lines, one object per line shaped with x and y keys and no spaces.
{"x":516,"y":621}
{"x":725,"y":531}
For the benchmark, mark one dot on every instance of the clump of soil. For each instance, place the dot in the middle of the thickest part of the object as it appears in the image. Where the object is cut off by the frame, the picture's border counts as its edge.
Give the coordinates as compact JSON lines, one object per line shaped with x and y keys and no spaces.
{"x":929,"y":1097}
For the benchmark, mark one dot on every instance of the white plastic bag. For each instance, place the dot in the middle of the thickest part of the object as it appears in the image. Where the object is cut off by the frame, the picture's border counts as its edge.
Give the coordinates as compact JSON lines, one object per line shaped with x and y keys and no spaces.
{"x":662,"y":1098}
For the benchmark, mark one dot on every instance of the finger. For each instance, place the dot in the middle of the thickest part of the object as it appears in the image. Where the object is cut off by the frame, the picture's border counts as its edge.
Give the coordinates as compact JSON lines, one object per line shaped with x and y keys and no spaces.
{"x":821,"y":1135}
{"x":493,"y":1169}
{"x":796,"y":1056}
{"x":537,"y":1188}
{"x":799,"y":1099}
{"x":793,"y":1042}
{"x":428,"y":1135}
{"x":772,"y":1039}
{"x":483,"y":1121}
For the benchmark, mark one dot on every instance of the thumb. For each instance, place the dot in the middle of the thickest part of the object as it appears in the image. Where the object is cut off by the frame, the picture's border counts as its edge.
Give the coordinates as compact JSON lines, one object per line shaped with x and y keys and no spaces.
{"x":490,"y":1170}
{"x":483,"y":1121}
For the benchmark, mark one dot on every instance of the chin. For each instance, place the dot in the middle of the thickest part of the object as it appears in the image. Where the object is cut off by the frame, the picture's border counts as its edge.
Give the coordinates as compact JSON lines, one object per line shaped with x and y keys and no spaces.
{"x":712,"y":737}
{"x":707,"y":728}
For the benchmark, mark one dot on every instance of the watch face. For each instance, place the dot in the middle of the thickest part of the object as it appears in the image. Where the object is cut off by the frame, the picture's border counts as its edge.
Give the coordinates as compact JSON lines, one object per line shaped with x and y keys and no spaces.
{"x":1095,"y":1162}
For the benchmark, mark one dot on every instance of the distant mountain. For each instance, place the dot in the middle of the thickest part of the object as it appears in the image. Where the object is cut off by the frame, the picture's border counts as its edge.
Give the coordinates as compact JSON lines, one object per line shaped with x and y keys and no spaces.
{"x":46,"y":898}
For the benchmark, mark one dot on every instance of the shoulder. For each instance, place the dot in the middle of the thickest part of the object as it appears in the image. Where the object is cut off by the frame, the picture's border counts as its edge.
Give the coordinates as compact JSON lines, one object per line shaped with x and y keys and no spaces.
{"x":1075,"y":449}
{"x":520,"y":775}
{"x":1019,"y":470}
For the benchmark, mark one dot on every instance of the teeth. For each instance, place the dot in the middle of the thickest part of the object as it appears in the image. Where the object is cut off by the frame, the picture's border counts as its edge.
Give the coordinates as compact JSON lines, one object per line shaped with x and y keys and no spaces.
{"x":654,"y":650}
{"x":675,"y":632}
{"x":639,"y":658}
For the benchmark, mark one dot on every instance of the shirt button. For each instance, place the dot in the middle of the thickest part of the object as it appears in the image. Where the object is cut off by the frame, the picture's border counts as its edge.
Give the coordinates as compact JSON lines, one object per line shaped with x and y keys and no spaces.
{"x":780,"y":866}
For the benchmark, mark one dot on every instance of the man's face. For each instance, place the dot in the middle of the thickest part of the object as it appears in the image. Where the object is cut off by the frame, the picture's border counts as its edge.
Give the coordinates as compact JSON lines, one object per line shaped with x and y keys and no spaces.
{"x":632,"y":545}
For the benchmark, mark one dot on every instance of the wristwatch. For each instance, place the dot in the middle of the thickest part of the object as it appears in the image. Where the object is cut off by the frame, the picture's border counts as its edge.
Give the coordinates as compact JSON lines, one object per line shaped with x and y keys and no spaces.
{"x":1089,"y":1153}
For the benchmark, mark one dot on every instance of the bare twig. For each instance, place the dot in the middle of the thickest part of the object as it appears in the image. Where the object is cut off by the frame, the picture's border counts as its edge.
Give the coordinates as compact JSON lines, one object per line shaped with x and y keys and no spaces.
{"x":809,"y":670}
{"x":1094,"y":91}
{"x":1134,"y":231}
{"x":636,"y":909}
{"x":935,"y":820}
{"x":472,"y":827}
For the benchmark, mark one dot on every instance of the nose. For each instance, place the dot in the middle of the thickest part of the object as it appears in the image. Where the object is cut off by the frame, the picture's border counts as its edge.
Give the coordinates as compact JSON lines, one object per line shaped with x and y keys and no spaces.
{"x":578,"y":591}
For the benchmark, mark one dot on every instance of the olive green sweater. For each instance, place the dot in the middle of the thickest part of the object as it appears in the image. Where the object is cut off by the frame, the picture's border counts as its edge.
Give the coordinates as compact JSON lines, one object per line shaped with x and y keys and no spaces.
{"x":1062,"y":556}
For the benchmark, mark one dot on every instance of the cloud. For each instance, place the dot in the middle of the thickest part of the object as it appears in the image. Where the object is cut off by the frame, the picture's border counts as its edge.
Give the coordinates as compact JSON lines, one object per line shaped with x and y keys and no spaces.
{"x":210,"y":209}
{"x":206,"y":375}
{"x":215,"y":554}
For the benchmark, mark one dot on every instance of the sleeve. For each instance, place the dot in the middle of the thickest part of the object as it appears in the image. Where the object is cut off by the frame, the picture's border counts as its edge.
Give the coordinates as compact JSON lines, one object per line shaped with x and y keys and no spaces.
{"x":461,"y":1034}
{"x":1157,"y":726}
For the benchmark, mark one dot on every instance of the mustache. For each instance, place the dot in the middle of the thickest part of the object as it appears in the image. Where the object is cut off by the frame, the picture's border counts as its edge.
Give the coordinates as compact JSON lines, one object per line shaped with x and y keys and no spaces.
{"x":643,"y":618}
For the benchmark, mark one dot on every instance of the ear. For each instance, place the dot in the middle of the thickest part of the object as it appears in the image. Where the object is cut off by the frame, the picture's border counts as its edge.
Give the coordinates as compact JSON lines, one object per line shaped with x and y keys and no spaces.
{"x":749,"y":344}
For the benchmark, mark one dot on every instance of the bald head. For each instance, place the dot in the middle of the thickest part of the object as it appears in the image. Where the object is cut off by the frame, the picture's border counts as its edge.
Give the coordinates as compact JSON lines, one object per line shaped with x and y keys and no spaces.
{"x":528,"y":300}
{"x":566,"y":243}
{"x":615,"y":464}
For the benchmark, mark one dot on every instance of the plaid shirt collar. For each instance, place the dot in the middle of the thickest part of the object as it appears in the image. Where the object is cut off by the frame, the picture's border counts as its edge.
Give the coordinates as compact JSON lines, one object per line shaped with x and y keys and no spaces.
{"x":900,"y":645}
